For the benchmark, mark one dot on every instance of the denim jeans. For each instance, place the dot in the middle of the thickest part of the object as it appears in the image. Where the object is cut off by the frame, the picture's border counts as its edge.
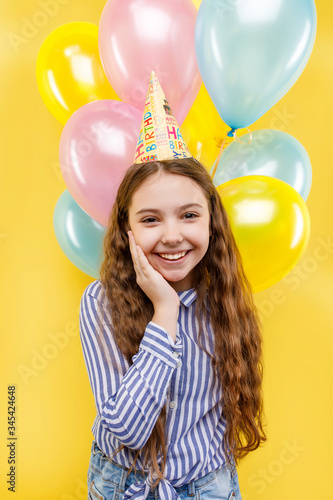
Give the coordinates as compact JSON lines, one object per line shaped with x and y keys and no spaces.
{"x":108,"y":480}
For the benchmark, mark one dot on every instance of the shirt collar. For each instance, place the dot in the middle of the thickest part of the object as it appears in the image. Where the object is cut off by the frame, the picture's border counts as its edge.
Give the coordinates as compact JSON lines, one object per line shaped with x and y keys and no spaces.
{"x":187,"y":297}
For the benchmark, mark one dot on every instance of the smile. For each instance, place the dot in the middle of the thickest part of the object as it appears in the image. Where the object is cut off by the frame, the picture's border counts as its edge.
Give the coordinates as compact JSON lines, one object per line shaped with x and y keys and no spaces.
{"x":174,"y":256}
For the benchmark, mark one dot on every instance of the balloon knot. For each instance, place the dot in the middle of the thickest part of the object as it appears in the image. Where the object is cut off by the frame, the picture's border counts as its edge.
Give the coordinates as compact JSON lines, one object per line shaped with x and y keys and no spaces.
{"x":218,"y":141}
{"x":231,"y":132}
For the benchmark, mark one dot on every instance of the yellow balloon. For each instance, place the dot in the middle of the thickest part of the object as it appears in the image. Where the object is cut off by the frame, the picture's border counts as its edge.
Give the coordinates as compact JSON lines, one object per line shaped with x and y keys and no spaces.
{"x":271,"y":225}
{"x":197,"y":3}
{"x":203,"y":128}
{"x":69,"y":70}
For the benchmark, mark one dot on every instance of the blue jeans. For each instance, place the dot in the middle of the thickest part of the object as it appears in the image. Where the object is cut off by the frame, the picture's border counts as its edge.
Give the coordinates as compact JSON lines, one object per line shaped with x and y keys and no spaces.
{"x":108,"y":480}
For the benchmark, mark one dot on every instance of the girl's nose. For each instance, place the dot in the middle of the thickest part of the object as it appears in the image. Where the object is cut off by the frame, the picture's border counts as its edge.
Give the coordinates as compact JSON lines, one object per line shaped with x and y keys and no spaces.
{"x":171,"y":235}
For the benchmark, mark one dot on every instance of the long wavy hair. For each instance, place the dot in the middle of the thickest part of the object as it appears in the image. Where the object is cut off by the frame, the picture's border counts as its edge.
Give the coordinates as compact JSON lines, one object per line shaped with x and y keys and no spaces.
{"x":219,"y":279}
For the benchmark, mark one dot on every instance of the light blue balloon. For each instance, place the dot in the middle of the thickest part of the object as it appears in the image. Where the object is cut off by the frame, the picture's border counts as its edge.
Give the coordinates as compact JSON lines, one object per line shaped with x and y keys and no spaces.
{"x":272,"y":153}
{"x":80,"y":237}
{"x":251,"y":52}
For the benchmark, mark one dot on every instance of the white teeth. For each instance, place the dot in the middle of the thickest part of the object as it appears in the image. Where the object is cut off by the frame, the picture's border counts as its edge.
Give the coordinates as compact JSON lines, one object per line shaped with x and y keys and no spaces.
{"x":174,"y":256}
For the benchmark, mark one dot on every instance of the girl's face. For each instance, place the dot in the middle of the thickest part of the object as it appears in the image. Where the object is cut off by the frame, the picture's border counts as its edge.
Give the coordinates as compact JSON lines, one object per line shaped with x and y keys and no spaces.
{"x":170,"y":220}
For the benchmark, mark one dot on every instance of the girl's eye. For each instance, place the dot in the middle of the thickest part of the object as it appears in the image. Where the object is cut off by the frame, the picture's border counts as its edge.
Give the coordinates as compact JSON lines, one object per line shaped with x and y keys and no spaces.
{"x":152,"y":219}
{"x":149,"y":219}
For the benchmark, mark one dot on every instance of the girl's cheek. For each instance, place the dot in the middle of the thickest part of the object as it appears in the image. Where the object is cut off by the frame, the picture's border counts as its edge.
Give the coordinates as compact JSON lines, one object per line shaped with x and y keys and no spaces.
{"x":148,"y":238}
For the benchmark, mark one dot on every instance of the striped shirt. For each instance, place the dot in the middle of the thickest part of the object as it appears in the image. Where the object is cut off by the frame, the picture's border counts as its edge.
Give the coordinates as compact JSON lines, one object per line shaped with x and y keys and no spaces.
{"x":129,"y":397}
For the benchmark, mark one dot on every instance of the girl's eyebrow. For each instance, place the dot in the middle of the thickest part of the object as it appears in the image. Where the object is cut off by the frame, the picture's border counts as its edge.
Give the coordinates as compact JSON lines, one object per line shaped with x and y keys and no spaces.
{"x":156,"y":210}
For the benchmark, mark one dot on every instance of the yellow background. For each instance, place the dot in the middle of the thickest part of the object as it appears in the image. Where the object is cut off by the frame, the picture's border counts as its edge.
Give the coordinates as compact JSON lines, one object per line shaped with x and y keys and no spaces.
{"x":41,"y":291}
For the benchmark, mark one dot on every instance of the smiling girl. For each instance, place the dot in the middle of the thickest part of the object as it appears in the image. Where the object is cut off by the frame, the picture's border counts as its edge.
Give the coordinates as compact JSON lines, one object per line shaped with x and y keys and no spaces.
{"x":172,"y":343}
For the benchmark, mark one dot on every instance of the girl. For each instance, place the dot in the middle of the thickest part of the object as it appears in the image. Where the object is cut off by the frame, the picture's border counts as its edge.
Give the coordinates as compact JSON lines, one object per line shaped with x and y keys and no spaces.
{"x":172,"y":344}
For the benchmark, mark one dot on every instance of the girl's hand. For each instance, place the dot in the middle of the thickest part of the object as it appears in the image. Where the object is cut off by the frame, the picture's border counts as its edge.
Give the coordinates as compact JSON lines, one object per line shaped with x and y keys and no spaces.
{"x":151,"y":281}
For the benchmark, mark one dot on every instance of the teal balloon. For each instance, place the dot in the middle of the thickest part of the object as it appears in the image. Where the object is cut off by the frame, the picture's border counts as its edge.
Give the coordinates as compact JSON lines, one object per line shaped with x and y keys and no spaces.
{"x":251,"y":52}
{"x":271,"y":152}
{"x":80,"y":237}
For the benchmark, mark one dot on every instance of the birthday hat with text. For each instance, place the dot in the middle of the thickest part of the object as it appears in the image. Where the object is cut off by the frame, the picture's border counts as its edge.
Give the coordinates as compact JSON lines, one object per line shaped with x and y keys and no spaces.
{"x":160,"y":137}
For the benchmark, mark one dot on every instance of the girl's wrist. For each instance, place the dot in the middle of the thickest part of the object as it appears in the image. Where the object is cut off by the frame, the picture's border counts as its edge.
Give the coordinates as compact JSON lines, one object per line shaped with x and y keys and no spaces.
{"x":170,"y":309}
{"x":167,"y":319}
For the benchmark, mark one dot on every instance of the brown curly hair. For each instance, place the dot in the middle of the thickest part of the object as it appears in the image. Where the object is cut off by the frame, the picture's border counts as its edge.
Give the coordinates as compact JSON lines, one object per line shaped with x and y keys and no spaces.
{"x":218,"y":277}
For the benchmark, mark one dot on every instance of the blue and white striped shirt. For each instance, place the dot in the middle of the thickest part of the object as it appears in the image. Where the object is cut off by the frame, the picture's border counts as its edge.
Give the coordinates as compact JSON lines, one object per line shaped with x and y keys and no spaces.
{"x":129,"y":398}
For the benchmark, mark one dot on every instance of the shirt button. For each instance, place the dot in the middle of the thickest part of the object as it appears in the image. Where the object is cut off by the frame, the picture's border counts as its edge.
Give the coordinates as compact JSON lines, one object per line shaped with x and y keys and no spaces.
{"x":155,"y":475}
{"x":175,"y":354}
{"x":178,"y":364}
{"x":172,"y":404}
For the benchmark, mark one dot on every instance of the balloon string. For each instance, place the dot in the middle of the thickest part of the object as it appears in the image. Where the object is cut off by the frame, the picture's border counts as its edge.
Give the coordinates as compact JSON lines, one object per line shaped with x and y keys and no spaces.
{"x":221,"y":144}
{"x":238,"y":139}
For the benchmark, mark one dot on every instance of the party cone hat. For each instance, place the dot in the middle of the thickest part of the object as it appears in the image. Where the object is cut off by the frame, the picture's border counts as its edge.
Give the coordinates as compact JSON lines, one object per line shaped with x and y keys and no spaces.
{"x":160,"y":137}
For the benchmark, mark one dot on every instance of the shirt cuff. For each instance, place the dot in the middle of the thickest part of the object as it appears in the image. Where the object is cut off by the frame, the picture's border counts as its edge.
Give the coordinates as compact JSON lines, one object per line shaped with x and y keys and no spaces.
{"x":159,"y":342}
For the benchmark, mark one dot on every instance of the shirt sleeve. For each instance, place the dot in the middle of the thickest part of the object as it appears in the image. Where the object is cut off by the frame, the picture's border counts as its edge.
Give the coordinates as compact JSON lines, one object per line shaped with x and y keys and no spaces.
{"x":128,"y":398}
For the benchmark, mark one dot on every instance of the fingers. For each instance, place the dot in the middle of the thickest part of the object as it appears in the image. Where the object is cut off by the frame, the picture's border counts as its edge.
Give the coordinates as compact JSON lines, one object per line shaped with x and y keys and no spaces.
{"x":138,"y":256}
{"x":133,"y":249}
{"x":132,"y":243}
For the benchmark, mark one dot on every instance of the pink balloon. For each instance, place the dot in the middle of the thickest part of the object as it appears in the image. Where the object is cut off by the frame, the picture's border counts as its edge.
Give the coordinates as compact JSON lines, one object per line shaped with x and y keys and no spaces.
{"x":137,"y":37}
{"x":97,"y":146}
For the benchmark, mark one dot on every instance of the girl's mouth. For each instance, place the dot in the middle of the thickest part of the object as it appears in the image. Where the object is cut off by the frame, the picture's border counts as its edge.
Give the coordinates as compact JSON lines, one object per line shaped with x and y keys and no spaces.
{"x":176,"y":257}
